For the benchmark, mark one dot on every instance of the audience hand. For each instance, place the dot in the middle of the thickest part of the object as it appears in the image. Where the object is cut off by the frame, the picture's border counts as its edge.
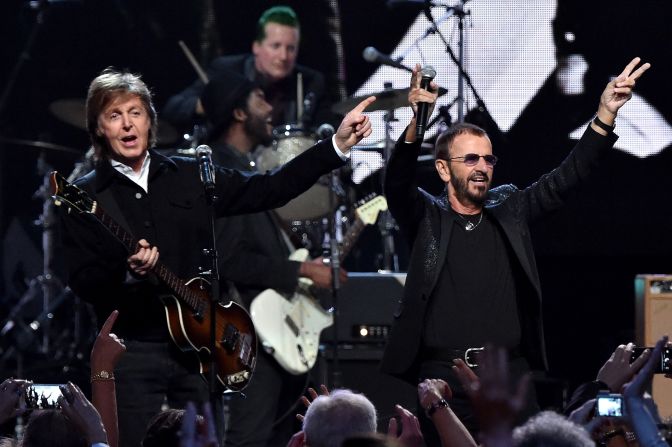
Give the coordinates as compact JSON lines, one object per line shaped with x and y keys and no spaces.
{"x":10,"y":398}
{"x":494,"y":405}
{"x":636,"y":387}
{"x":411,"y":435}
{"x":313,"y":395}
{"x":82,"y":413}
{"x":432,"y":390}
{"x":618,"y":370}
{"x":297,"y":440}
{"x":108,"y":348}
{"x":195,"y":435}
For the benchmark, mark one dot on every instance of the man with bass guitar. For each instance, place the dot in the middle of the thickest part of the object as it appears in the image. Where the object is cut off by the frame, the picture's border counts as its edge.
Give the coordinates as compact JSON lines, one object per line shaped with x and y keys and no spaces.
{"x":157,"y":207}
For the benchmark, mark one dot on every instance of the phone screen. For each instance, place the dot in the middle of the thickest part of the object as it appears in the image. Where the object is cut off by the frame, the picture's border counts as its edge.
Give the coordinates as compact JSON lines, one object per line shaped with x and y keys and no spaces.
{"x":610,"y":406}
{"x":42,"y":396}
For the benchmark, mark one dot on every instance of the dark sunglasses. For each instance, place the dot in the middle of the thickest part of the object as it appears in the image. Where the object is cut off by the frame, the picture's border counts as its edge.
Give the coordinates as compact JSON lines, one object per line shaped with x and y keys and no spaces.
{"x":472,"y":159}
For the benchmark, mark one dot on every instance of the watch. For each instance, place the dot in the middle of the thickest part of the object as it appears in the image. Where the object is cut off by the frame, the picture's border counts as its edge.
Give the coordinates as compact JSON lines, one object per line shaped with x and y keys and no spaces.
{"x":102,"y":375}
{"x":431,"y":408}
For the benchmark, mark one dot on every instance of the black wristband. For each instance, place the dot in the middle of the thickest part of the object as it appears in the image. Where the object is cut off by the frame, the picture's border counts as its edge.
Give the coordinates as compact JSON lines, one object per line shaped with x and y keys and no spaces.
{"x":602,"y":125}
{"x":431,"y":409}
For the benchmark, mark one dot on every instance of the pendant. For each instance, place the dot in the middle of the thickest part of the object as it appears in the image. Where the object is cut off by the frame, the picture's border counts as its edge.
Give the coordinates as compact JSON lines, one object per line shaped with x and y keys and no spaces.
{"x":469,"y":226}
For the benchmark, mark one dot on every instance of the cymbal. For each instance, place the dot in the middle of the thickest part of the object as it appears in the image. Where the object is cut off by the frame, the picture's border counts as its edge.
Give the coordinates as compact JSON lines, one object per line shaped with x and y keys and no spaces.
{"x":387,"y":99}
{"x":73,"y":111}
{"x":40,"y":145}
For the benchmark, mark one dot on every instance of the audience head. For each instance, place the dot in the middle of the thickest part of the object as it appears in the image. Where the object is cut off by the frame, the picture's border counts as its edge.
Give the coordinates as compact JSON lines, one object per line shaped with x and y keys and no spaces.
{"x":549,"y":429}
{"x":341,"y":414}
{"x":370,"y":440}
{"x":51,"y":428}
{"x":163,"y":429}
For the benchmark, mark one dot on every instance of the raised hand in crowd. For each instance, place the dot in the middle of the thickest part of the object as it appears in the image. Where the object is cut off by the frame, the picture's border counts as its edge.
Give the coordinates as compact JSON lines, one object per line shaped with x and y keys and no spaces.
{"x":195,"y":434}
{"x":434,"y":396}
{"x":495,"y":406}
{"x":313,"y":395}
{"x":618,"y":370}
{"x":82,"y":413}
{"x":410,"y":434}
{"x":10,"y":398}
{"x":106,"y":352}
{"x":642,"y":417}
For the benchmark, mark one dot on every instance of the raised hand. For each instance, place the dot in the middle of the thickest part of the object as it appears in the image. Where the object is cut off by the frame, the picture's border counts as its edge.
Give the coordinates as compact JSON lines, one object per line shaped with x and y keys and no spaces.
{"x":432,"y":390}
{"x":619,"y":91}
{"x":618,"y":370}
{"x":635,"y":389}
{"x":108,"y":348}
{"x":82,"y":413}
{"x":144,"y":259}
{"x":10,"y":398}
{"x":194,"y":434}
{"x":417,"y":94}
{"x":410,"y":435}
{"x":313,"y":395}
{"x":355,"y":126}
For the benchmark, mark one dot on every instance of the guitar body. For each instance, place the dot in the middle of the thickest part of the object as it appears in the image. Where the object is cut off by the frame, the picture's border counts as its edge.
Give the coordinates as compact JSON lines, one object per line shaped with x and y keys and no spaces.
{"x":236,"y":346}
{"x":290,"y":328}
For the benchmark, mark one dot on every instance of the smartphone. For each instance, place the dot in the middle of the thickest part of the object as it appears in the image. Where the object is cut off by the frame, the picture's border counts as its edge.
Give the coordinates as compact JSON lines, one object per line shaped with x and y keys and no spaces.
{"x":42,"y":396}
{"x":610,"y":405}
{"x":663,"y":365}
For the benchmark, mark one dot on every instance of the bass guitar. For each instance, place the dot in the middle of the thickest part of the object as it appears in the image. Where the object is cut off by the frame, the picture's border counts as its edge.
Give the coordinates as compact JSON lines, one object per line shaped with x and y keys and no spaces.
{"x":187,"y":306}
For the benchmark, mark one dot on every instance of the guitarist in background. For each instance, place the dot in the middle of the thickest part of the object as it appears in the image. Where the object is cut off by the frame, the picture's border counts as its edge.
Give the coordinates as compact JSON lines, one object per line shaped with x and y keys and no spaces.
{"x":161,"y":202}
{"x":253,"y":255}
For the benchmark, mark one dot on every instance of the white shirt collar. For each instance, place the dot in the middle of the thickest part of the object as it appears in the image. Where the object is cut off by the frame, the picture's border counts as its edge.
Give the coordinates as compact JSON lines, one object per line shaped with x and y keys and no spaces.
{"x":140,"y":178}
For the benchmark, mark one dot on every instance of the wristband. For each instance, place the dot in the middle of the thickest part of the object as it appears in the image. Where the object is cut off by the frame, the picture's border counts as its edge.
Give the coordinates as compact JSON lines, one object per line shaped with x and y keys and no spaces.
{"x":431,"y":409}
{"x":602,"y":125}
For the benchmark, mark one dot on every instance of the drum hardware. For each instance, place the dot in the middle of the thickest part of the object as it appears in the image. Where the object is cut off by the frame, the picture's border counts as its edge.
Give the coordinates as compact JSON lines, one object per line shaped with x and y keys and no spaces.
{"x":72,"y":111}
{"x":35,"y":144}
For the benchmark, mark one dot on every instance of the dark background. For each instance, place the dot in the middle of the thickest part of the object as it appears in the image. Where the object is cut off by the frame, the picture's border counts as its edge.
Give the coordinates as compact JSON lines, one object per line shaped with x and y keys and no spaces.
{"x":588,"y":253}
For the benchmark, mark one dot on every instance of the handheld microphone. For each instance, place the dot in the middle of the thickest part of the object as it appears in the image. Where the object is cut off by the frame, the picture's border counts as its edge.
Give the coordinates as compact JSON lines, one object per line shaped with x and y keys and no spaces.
{"x":374,"y":56}
{"x":428,"y":73}
{"x":205,"y":167}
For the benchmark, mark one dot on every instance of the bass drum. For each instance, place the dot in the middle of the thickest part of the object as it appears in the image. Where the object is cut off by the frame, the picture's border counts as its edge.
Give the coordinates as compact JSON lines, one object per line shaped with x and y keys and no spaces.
{"x":288,"y":142}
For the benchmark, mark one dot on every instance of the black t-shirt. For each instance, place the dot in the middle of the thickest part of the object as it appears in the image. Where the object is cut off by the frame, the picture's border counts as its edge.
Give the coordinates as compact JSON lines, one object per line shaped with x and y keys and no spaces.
{"x":474,"y":300}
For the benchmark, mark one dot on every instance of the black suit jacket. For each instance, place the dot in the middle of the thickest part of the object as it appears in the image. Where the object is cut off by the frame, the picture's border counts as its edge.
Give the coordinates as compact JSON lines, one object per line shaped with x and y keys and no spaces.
{"x":427,"y":223}
{"x":179,"y":109}
{"x":173,"y":215}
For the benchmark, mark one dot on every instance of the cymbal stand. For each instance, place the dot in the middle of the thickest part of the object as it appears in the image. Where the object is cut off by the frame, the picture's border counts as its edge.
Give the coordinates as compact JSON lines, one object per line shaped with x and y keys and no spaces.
{"x":386,"y":223}
{"x":463,"y":76}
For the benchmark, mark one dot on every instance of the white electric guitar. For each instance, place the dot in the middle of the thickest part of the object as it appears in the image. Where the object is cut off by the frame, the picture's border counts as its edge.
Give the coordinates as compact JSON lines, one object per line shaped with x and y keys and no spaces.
{"x":290,"y":328}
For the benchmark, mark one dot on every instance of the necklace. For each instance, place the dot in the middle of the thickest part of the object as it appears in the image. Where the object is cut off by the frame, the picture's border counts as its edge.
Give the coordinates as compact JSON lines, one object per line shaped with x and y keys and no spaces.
{"x":469,"y":225}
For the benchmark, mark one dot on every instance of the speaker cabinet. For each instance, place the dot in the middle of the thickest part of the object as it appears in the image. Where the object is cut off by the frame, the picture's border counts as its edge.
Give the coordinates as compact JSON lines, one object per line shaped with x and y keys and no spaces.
{"x":653,"y":295}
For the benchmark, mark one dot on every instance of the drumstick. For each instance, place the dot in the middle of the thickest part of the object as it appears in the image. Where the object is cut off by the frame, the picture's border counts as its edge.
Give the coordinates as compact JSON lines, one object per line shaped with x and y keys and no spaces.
{"x":194,"y":63}
{"x":299,"y":97}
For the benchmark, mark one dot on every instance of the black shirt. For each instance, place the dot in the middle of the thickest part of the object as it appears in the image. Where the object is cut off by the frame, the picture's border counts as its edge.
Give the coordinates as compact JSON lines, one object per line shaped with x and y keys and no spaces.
{"x":474,"y":300}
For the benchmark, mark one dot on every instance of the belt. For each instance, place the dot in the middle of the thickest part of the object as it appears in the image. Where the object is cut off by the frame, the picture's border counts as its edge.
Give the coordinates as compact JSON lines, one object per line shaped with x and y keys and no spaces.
{"x":469,"y":355}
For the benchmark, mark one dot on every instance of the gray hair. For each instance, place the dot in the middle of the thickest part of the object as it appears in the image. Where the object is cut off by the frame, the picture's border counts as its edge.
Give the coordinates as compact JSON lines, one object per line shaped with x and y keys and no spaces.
{"x":331,"y":419}
{"x":550,"y":429}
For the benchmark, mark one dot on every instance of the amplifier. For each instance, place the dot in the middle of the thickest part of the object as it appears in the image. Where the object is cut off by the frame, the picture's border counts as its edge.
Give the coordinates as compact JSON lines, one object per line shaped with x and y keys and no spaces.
{"x":653,"y":319}
{"x":366,"y":306}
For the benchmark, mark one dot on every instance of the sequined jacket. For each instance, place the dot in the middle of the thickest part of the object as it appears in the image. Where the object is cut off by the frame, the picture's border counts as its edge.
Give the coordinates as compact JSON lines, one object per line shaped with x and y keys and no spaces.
{"x":426,"y":223}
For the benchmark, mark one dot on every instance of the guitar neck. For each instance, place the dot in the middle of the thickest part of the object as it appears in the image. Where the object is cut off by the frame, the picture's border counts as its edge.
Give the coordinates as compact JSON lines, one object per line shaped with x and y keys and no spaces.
{"x":170,"y":279}
{"x":351,"y":237}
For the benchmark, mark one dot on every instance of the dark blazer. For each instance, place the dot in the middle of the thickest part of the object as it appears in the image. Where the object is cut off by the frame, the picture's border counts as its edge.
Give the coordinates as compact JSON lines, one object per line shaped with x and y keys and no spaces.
{"x":252,"y":252}
{"x":426,"y":222}
{"x":174,"y":217}
{"x":179,"y":109}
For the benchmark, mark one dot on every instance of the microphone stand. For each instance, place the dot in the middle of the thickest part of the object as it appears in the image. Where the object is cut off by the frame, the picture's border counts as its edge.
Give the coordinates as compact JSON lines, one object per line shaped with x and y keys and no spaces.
{"x":386,"y":223}
{"x":335,"y":263}
{"x":463,"y":76}
{"x":214,"y":299}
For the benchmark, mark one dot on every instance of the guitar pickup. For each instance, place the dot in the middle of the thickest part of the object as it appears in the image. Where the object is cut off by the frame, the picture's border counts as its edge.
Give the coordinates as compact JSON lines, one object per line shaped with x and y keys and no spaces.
{"x":230,"y":338}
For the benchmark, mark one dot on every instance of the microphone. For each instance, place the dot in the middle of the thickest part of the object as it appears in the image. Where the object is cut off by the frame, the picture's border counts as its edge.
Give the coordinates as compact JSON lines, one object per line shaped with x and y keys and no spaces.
{"x":205,"y":167}
{"x":325,"y":131}
{"x":428,"y":73}
{"x":374,"y":56}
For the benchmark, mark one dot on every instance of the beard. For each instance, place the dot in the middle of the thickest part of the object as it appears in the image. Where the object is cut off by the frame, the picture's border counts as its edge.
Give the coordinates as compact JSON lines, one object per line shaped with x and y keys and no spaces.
{"x":462,"y":192}
{"x":257,"y":127}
